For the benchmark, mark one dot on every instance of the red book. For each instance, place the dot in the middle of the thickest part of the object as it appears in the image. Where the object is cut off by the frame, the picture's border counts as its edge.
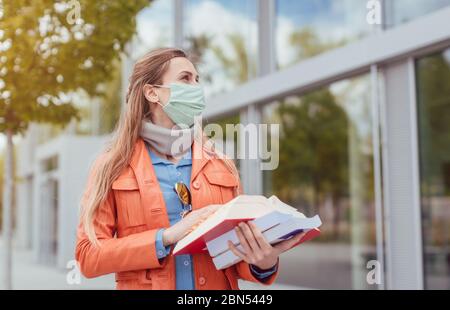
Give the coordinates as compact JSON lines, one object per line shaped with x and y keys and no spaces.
{"x":267,"y":213}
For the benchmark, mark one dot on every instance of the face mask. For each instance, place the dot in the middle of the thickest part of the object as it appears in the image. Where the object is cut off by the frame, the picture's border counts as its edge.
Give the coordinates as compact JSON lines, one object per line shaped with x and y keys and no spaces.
{"x":185,"y":103}
{"x":173,"y":142}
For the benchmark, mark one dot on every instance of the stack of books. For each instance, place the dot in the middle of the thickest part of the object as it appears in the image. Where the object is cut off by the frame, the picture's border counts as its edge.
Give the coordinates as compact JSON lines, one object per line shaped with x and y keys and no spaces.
{"x":276,"y":220}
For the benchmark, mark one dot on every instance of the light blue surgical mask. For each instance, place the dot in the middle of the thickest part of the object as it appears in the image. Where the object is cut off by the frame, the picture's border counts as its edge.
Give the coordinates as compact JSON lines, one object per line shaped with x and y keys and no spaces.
{"x":185,"y":103}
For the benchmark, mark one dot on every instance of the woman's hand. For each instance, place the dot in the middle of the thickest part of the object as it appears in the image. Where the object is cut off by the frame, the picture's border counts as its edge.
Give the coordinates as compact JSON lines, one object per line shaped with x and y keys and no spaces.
{"x":174,"y":233}
{"x":257,"y":251}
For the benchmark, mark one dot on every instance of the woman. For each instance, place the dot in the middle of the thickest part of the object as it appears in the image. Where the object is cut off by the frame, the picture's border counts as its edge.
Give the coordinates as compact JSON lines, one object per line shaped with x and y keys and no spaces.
{"x":136,"y":203}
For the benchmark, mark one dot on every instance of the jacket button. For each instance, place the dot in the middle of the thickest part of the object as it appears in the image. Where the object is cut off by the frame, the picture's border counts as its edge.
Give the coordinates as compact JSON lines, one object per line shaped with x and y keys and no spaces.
{"x":196,"y":184}
{"x":202,"y":280}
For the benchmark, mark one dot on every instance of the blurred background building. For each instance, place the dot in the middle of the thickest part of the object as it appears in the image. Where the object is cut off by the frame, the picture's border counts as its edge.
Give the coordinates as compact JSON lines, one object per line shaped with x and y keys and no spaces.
{"x":364,"y":115}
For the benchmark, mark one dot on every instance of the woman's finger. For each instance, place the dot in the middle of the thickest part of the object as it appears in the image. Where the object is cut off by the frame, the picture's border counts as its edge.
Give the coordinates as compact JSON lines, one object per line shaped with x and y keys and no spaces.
{"x":250,"y":238}
{"x":262,"y":241}
{"x":237,"y":252}
{"x":286,"y":245}
{"x":243,"y":241}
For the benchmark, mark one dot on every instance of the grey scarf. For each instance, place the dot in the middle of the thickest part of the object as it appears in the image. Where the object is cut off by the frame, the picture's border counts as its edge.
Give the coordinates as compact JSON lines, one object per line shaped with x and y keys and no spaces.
{"x":173,"y":142}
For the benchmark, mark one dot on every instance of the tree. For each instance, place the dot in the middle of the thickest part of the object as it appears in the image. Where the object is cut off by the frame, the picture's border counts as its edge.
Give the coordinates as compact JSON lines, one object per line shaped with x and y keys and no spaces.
{"x":434,"y":118}
{"x":49,"y":50}
{"x":308,"y":44}
{"x":239,"y":66}
{"x":433,"y":76}
{"x":314,"y":144}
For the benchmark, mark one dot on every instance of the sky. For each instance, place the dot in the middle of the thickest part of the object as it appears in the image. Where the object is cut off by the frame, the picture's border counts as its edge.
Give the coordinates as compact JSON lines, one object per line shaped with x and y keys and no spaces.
{"x":154,"y":27}
{"x":408,"y":9}
{"x":331,"y":20}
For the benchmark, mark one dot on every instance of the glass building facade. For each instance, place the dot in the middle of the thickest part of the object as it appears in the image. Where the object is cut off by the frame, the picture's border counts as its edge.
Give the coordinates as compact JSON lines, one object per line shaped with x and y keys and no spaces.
{"x":433,"y":87}
{"x":326,"y":168}
{"x":307,"y":28}
{"x":403,"y":11}
{"x":223,"y":39}
{"x":364,"y":114}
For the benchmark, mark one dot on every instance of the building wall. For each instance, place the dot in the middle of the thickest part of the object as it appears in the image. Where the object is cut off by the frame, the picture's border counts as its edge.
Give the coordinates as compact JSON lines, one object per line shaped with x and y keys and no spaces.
{"x":49,"y":197}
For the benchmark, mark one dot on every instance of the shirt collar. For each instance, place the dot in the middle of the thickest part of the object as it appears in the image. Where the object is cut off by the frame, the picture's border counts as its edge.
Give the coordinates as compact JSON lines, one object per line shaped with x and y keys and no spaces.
{"x":185,"y":160}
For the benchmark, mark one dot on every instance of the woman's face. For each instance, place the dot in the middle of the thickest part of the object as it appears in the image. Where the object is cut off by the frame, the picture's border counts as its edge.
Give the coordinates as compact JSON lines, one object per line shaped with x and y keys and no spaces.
{"x":180,"y":70}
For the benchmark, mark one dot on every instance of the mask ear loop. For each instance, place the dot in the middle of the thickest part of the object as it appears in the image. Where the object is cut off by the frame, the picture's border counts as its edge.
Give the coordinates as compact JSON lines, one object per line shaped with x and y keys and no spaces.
{"x":162,"y":86}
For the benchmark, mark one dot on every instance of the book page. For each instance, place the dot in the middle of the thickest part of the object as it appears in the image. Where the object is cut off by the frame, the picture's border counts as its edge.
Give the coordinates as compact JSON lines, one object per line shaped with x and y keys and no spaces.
{"x":282,"y":207}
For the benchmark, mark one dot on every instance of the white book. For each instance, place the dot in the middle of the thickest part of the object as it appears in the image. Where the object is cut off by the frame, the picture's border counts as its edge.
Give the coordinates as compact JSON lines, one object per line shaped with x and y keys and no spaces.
{"x":212,"y":234}
{"x":280,"y":214}
{"x":219,"y":245}
{"x":278,"y":233}
{"x":266,"y":223}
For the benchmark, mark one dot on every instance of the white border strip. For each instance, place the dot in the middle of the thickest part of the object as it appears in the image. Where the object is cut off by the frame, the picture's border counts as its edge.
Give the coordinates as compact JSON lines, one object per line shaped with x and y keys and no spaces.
{"x":385,"y":180}
{"x":377,"y":169}
{"x":416,"y":192}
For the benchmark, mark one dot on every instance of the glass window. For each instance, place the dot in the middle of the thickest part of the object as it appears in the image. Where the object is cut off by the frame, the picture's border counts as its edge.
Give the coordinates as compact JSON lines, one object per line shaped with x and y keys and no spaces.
{"x":433,"y":79}
{"x":154,"y":27}
{"x":402,"y":11}
{"x":326,"y":168}
{"x":226,"y":138}
{"x":222,"y":37}
{"x":305,"y":28}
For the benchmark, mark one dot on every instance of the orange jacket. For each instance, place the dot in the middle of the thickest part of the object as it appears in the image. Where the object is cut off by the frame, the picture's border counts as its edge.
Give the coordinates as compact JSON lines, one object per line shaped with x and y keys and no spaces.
{"x":127,"y":221}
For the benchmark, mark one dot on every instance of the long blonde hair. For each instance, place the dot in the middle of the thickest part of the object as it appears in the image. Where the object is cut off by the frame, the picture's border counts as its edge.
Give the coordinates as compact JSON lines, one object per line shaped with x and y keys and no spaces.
{"x":118,"y":152}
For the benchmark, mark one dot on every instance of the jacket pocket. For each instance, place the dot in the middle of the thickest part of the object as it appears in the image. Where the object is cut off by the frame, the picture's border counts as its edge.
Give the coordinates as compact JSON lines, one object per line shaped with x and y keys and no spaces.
{"x":127,"y":275}
{"x":130,"y":212}
{"x":223,"y":183}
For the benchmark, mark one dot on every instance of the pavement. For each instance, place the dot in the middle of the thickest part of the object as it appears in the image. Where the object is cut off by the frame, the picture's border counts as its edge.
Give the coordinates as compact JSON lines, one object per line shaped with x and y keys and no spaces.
{"x":29,"y":275}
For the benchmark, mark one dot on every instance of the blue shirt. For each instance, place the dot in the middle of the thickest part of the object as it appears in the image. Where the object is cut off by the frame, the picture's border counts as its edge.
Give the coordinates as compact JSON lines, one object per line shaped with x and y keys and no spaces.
{"x":168,"y":174}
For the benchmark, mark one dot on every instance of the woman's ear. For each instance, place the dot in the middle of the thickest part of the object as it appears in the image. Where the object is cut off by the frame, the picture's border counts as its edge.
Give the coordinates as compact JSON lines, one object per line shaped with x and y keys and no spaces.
{"x":150,"y":93}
